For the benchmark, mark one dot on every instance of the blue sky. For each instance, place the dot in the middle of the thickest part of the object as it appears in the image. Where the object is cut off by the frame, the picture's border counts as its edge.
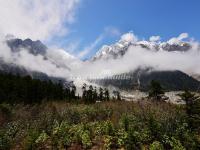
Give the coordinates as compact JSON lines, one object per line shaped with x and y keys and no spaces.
{"x":166,"y":18}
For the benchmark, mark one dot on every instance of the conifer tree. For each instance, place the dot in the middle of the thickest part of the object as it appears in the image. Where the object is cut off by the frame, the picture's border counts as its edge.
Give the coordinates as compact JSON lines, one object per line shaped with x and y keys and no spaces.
{"x":101,"y":97}
{"x":90,"y":95}
{"x":95,"y":94}
{"x":156,"y":90}
{"x":73,"y":92}
{"x":84,"y":92}
{"x":106,"y":94}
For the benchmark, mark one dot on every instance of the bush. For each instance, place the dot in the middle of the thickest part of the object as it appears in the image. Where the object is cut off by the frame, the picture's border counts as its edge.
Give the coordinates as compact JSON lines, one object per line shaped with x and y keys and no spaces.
{"x":108,"y":142}
{"x":85,"y":139}
{"x":41,"y":138}
{"x":29,"y":140}
{"x":122,"y":137}
{"x":174,"y":143}
{"x":133,"y":140}
{"x":156,"y":145}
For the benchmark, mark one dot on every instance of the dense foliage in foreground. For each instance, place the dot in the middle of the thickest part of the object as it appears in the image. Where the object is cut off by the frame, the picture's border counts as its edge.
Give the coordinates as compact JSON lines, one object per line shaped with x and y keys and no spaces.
{"x":109,"y":125}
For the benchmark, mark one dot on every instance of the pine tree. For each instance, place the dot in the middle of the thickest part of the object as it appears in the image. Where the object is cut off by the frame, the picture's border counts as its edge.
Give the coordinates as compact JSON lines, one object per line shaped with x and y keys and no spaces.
{"x":95,"y":94}
{"x":101,"y":97}
{"x":156,"y":90}
{"x":73,"y":92}
{"x":84,"y":92}
{"x":90,"y":95}
{"x":106,"y":94}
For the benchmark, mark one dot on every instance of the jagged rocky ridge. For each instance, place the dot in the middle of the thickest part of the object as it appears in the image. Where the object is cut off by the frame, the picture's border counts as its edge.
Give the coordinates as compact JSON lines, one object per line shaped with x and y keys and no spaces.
{"x":118,"y":49}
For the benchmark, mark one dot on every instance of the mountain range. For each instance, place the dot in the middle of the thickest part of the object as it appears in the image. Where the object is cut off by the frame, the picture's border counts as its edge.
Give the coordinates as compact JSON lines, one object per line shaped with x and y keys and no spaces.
{"x":120,"y":48}
{"x":135,"y":79}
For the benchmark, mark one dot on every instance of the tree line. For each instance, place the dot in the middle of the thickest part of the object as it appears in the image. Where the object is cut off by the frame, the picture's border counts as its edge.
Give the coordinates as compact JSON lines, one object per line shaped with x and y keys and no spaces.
{"x":90,"y":94}
{"x":17,"y":89}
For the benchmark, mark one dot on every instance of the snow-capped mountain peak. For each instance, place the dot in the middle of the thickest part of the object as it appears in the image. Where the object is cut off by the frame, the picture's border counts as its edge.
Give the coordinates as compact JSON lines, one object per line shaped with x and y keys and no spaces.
{"x":154,"y":44}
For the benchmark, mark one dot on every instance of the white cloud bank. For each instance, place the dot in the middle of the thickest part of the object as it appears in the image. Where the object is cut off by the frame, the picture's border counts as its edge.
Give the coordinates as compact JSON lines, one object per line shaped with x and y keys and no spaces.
{"x":36,"y":19}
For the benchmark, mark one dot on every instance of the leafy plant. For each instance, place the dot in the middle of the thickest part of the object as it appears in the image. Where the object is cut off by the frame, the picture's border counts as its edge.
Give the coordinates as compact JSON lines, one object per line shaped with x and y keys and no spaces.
{"x":42,"y":138}
{"x":156,"y":145}
{"x":121,"y":136}
{"x":85,"y":139}
{"x":108,"y":141}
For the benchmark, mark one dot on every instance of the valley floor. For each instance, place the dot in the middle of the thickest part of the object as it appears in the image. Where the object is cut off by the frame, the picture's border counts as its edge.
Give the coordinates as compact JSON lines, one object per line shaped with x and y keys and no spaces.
{"x":59,"y":125}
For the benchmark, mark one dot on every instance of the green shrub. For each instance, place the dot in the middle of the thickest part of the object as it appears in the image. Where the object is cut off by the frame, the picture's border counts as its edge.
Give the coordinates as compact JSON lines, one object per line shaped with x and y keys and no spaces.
{"x":174,"y":143}
{"x":60,"y":135}
{"x":105,"y":128}
{"x":81,"y":135}
{"x":156,"y":145}
{"x":41,"y":138}
{"x":108,"y":141}
{"x":133,"y":140}
{"x":125,"y":122}
{"x":154,"y":127}
{"x":85,"y":139}
{"x":121,"y":136}
{"x":29,"y":140}
{"x":109,"y":129}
